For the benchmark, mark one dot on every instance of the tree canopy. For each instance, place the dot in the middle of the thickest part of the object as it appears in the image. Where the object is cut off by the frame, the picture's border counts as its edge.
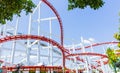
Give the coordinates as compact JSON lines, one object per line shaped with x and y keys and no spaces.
{"x":8,"y":8}
{"x":94,"y":4}
{"x":114,"y":58}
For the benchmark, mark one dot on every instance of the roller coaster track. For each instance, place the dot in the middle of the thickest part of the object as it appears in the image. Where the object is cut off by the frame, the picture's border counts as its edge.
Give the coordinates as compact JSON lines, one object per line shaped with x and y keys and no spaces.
{"x":97,"y":44}
{"x":65,"y":52}
{"x":35,"y":37}
{"x":58,"y":17}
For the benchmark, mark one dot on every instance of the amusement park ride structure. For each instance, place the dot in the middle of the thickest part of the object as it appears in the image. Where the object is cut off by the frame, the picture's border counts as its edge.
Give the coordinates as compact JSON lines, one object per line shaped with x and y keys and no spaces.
{"x":26,"y":44}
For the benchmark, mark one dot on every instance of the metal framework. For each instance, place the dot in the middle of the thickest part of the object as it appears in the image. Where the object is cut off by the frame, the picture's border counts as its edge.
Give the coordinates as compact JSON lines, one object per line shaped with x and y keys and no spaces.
{"x":41,"y":52}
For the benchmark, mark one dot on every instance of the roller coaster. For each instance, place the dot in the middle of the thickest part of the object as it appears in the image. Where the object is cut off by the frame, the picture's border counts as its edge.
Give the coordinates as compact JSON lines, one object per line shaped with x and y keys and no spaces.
{"x":32,"y":46}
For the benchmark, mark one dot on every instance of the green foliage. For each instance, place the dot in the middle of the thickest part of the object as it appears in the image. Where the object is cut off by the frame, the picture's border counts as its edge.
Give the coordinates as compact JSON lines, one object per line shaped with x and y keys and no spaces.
{"x":94,"y":4}
{"x":114,"y":59}
{"x":17,"y":72}
{"x":117,"y":36}
{"x":8,"y":8}
{"x":118,"y":64}
{"x":32,"y":71}
{"x":111,"y":55}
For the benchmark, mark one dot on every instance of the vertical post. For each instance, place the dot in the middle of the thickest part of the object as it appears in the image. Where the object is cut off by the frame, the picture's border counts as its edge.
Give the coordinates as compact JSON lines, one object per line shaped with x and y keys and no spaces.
{"x":89,"y":63}
{"x":28,"y":41}
{"x":75,"y":60}
{"x":51,"y":48}
{"x":71,"y":58}
{"x":63,"y":61}
{"x":104,"y":50}
{"x":38,"y":47}
{"x":109,"y":69}
{"x":14,"y":42}
{"x":102,"y":66}
{"x":83,"y":49}
{"x":91,"y":47}
{"x":0,"y":52}
{"x":89,"y":59}
{"x":76,"y":65}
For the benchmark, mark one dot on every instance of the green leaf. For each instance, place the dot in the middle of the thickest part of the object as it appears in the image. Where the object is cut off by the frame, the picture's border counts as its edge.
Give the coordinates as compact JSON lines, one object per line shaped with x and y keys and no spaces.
{"x":94,"y":4}
{"x":9,"y":8}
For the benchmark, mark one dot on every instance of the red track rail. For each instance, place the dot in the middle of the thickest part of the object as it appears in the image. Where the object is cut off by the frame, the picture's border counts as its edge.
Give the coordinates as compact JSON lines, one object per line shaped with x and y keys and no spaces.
{"x":27,"y":68}
{"x":58,"y":17}
{"x":91,"y":54}
{"x":88,"y":53}
{"x":35,"y":37}
{"x":97,"y":44}
{"x":54,"y":43}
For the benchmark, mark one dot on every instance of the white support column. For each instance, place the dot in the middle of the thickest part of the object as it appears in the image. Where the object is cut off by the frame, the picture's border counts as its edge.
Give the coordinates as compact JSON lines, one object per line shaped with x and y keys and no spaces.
{"x":38,"y":47}
{"x":102,"y":66}
{"x":75,"y":60}
{"x":28,"y":41}
{"x":89,"y":63}
{"x":85,"y":58}
{"x":76,"y":68}
{"x":104,"y":50}
{"x":14,"y":42}
{"x":51,"y":52}
{"x":0,"y":50}
{"x":91,"y":48}
{"x":83,"y":49}
{"x":109,"y":69}
{"x":28,"y":55}
{"x":37,"y":7}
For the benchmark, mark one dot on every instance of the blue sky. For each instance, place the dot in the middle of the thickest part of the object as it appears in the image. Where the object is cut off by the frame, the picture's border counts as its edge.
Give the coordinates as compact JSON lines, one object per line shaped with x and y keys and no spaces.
{"x":99,"y":24}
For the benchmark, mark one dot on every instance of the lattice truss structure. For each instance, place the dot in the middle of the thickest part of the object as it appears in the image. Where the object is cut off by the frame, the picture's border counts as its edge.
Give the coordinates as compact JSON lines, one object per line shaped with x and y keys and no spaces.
{"x":37,"y":40}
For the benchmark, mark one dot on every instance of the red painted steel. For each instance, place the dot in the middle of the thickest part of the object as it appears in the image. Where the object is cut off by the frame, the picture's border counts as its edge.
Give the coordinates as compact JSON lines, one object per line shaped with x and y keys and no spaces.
{"x":87,"y":53}
{"x":97,"y":44}
{"x":91,"y":54}
{"x":27,"y":68}
{"x":58,"y":17}
{"x":54,"y":43}
{"x":35,"y":37}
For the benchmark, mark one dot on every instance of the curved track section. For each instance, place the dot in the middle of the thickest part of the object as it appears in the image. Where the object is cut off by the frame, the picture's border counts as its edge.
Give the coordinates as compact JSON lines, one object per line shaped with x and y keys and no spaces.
{"x":97,"y":44}
{"x":33,"y":68}
{"x":89,"y":53}
{"x":65,"y":53}
{"x":35,"y":37}
{"x":58,"y":17}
